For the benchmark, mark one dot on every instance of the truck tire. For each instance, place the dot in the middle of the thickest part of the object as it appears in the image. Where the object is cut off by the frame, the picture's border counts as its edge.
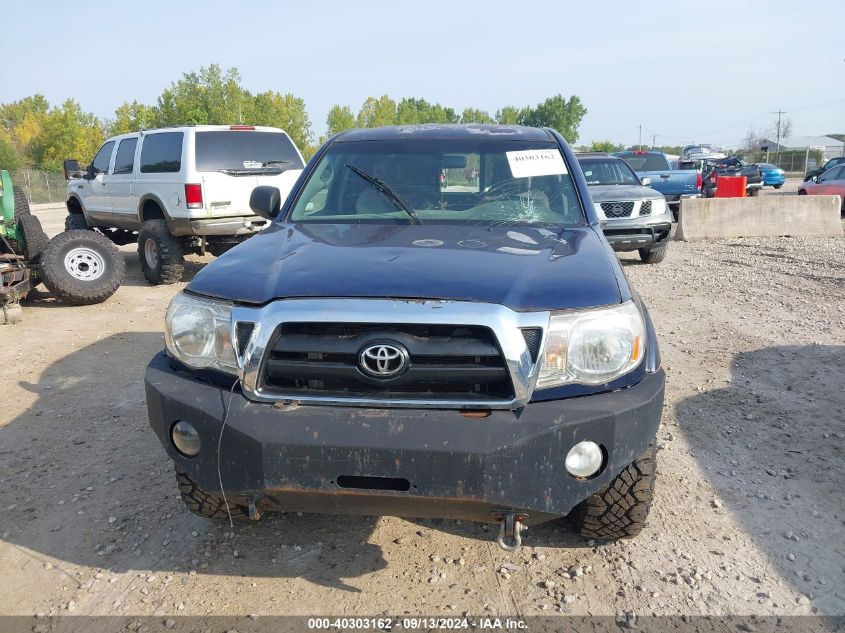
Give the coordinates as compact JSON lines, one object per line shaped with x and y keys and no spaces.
{"x":21,"y":203}
{"x":82,"y":267}
{"x":34,"y":237}
{"x":205,"y":504}
{"x":752,"y":193}
{"x":778,"y":186}
{"x":75,"y":222}
{"x":162,"y":255}
{"x":620,"y":510}
{"x":653,"y":255}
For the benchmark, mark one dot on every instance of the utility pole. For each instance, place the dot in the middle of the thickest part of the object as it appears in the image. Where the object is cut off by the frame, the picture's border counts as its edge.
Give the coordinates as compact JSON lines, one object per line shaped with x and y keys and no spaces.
{"x":640,"y":144}
{"x":779,"y":113}
{"x":653,"y":141}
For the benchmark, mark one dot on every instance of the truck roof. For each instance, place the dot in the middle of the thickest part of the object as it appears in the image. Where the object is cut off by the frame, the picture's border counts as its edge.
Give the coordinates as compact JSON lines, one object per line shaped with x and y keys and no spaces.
{"x":431,"y":131}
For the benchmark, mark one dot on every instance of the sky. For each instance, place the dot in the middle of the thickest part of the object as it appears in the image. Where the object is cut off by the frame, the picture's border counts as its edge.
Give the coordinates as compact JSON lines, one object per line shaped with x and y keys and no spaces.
{"x":684,"y":71}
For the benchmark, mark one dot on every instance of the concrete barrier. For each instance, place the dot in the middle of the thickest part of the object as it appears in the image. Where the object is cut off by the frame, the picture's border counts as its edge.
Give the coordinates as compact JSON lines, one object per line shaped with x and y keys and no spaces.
{"x":760,"y":216}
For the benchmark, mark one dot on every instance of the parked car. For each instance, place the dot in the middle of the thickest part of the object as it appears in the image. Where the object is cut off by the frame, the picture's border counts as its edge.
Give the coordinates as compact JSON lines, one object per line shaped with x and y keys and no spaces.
{"x":179,"y":190}
{"x":637,"y":217}
{"x":772,"y":176}
{"x":389,"y":347}
{"x":675,"y":185}
{"x":730,"y":166}
{"x":833,"y":162}
{"x":830,"y":183}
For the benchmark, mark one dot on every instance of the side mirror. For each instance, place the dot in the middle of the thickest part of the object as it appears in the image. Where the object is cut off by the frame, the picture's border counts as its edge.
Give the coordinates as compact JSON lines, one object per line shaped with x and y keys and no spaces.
{"x":266,"y":201}
{"x":89,"y":174}
{"x":646,"y":181}
{"x":814,"y":178}
{"x":71,"y":167}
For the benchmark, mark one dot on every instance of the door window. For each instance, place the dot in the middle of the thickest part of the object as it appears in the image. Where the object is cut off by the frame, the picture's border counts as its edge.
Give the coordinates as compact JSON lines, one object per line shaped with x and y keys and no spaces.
{"x":100,"y":164}
{"x":125,"y":156}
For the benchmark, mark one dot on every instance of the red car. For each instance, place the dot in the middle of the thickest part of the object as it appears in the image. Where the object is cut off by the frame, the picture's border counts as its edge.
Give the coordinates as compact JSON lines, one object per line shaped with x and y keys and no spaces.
{"x":830,"y":183}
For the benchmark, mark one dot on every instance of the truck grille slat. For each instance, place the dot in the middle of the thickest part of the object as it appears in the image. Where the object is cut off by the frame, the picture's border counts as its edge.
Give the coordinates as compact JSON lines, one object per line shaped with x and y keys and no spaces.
{"x":645,"y":208}
{"x":446,"y":362}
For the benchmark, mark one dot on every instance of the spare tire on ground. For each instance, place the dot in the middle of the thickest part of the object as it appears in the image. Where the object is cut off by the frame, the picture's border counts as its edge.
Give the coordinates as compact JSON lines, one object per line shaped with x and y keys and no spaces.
{"x":82,"y":267}
{"x":35,"y":240}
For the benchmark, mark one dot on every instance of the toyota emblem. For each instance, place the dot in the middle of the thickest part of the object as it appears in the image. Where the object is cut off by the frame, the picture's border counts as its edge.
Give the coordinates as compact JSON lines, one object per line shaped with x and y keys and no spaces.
{"x":383,"y":360}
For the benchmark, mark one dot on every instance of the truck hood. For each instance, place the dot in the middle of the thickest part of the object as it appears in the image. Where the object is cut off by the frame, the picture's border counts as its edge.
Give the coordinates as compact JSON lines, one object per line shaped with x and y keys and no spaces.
{"x":522,"y":268}
{"x":612,"y":193}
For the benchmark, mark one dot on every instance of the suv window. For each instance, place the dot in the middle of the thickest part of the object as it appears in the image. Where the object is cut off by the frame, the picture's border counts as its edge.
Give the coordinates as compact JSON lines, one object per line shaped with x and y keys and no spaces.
{"x":125,"y":156}
{"x":161,"y":153}
{"x":101,"y":160}
{"x":239,"y":150}
{"x":643,"y":161}
{"x":608,"y":171}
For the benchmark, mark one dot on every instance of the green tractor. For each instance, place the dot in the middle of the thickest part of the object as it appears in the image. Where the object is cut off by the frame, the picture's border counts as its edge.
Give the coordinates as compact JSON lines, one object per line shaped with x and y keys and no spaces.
{"x":77,"y":267}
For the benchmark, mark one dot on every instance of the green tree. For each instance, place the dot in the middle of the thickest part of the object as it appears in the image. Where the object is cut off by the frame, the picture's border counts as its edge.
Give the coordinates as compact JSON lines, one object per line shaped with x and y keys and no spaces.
{"x":474,"y":115}
{"x":209,"y":96}
{"x":340,"y":118}
{"x":606,"y":146}
{"x":559,"y":113}
{"x":67,"y":132}
{"x":509,"y":115}
{"x":376,"y":112}
{"x":9,"y":157}
{"x":131,"y":117}
{"x":283,"y":111}
{"x":412,"y":111}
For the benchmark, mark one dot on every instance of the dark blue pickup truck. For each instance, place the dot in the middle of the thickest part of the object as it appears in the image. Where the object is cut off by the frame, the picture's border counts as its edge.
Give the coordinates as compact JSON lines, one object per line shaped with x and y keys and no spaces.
{"x":396,"y":345}
{"x":674,"y":184}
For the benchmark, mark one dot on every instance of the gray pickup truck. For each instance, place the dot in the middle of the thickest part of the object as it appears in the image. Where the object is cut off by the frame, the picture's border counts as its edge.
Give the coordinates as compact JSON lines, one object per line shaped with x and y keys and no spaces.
{"x":674,"y":184}
{"x":634,"y":216}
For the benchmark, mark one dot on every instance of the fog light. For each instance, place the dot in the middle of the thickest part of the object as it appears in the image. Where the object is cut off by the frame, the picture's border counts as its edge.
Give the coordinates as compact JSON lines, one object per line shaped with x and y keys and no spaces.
{"x":187,"y":440}
{"x":584,"y":459}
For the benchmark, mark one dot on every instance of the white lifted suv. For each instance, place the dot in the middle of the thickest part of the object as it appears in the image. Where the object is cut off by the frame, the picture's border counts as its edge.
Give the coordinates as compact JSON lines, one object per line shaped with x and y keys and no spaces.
{"x":180,"y":190}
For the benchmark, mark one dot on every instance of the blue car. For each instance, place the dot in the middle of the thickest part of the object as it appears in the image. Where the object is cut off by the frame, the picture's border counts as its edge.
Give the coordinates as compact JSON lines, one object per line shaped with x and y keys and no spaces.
{"x":394,"y":346}
{"x":772,"y":176}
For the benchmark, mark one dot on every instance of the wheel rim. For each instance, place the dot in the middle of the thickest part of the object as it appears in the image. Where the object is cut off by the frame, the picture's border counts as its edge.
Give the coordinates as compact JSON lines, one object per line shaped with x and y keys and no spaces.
{"x":151,"y":253}
{"x":85,"y":264}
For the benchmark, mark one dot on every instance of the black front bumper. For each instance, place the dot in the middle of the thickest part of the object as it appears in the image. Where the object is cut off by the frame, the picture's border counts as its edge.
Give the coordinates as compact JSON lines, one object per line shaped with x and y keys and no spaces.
{"x":292,"y":457}
{"x":631,"y":238}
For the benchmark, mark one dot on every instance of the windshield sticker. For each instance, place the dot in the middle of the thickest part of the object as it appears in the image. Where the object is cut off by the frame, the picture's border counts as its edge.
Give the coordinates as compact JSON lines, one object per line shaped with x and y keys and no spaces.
{"x":252,"y":164}
{"x":536,"y":162}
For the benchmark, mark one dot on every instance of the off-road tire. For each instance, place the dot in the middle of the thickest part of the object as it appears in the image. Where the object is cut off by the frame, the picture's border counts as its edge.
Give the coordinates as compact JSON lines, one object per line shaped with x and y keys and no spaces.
{"x":653,"y":255}
{"x":70,"y":289}
{"x":34,"y":237}
{"x":170,"y":254}
{"x":619,"y":510}
{"x":21,"y":204}
{"x":75,"y":222}
{"x":205,"y":504}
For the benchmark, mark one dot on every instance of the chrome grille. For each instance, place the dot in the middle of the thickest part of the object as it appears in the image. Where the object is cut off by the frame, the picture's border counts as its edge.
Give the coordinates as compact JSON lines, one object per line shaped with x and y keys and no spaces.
{"x":322,"y":359}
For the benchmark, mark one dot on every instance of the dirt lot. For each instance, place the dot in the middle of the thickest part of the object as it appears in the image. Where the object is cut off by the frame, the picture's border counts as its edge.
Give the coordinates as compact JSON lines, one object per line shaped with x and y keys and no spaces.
{"x":748,"y":517}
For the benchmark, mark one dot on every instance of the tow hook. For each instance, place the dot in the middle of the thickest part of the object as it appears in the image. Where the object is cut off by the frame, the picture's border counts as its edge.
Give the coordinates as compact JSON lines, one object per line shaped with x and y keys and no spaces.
{"x":510,"y":530}
{"x":255,"y":509}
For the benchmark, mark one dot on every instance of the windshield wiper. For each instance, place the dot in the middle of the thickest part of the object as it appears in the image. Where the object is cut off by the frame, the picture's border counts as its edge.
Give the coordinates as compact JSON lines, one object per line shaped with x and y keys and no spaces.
{"x":387,"y":191}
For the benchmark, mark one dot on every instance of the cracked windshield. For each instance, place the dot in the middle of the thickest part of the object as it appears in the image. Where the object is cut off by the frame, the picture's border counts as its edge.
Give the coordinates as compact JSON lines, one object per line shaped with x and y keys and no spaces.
{"x":495,"y":183}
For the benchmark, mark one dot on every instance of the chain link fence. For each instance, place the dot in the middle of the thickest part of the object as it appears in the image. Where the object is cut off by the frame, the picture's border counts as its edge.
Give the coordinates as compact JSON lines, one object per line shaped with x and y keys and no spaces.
{"x":40,"y":186}
{"x":795,"y":162}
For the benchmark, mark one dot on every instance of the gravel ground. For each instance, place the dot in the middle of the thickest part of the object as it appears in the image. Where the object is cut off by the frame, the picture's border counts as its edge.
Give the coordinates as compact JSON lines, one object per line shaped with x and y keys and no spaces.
{"x":748,"y":516}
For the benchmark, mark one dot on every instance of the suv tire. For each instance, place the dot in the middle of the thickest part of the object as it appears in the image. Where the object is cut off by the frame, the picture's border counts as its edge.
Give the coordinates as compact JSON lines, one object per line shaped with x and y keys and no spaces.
{"x":162,"y":255}
{"x":620,"y":510}
{"x":205,"y":504}
{"x":75,"y":222}
{"x":82,"y":267}
{"x":653,"y":255}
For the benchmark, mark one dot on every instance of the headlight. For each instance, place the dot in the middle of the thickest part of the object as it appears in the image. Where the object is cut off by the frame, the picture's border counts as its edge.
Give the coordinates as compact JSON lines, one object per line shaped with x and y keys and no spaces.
{"x":198,"y":333}
{"x":658,"y":206}
{"x":592,"y":347}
